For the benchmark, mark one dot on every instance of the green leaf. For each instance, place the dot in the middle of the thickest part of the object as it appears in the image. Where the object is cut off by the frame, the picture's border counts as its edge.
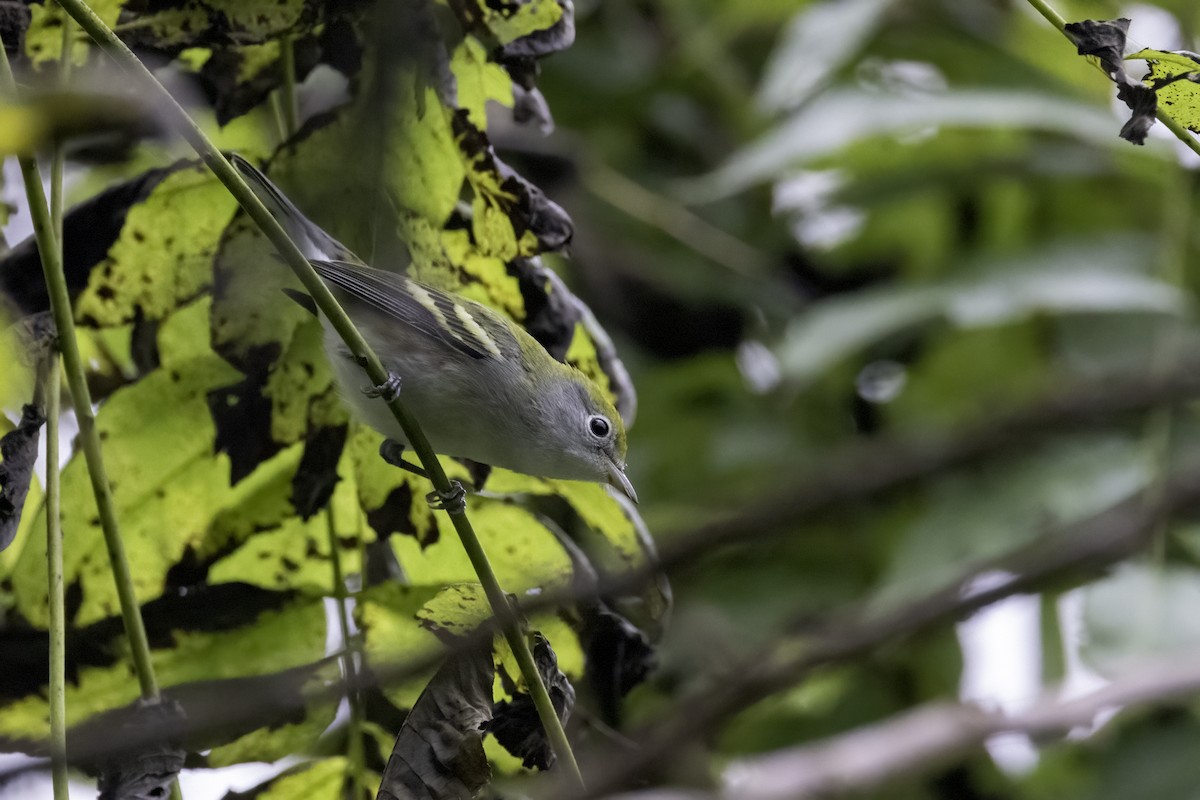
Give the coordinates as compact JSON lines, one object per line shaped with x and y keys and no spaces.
{"x":1106,"y":278}
{"x":392,"y":632}
{"x":43,"y":37}
{"x":524,"y":553}
{"x":163,"y":256}
{"x":839,"y":118}
{"x":319,"y":780}
{"x":821,"y":39}
{"x":1175,"y":78}
{"x":976,"y":515}
{"x":277,"y":640}
{"x":1141,"y":612}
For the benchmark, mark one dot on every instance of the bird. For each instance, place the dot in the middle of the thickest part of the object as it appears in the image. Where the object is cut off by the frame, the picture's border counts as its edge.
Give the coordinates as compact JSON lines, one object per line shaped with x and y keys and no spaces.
{"x":479,"y":386}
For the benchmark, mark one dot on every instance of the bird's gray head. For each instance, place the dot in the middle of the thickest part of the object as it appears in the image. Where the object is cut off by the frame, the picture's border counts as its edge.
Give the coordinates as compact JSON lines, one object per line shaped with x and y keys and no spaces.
{"x":588,"y":431}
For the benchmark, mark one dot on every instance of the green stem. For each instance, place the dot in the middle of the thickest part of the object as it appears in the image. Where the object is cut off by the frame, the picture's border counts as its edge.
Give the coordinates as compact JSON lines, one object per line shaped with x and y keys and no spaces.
{"x":54,"y":587}
{"x":1182,"y":133}
{"x":60,"y":306}
{"x":354,"y":698}
{"x":291,"y":107}
{"x":54,"y":539}
{"x":363,"y":355}
{"x":56,"y":158}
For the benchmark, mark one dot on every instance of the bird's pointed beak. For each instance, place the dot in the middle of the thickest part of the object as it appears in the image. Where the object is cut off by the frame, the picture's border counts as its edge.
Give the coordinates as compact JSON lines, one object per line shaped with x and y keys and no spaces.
{"x":617,"y":478}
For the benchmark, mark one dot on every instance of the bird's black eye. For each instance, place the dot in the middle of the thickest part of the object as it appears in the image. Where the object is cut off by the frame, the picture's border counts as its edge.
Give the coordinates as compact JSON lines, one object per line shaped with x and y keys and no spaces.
{"x":599,"y":426}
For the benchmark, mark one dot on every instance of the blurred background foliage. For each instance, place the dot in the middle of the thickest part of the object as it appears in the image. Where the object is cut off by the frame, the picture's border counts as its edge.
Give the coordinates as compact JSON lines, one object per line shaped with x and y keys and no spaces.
{"x":810,"y":229}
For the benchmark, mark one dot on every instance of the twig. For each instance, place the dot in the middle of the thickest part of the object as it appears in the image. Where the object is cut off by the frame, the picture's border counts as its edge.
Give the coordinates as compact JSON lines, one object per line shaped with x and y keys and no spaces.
{"x":54,"y":539}
{"x":60,"y":305}
{"x":54,"y":587}
{"x":363,"y":355}
{"x":677,"y":221}
{"x":284,"y":101}
{"x":354,"y":760}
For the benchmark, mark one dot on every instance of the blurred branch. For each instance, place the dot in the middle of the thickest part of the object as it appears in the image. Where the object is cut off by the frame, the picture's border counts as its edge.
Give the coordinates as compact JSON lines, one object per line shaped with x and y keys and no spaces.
{"x":1083,"y":548}
{"x":858,"y":472}
{"x":673,"y":219}
{"x":929,"y":737}
{"x":240,"y":705}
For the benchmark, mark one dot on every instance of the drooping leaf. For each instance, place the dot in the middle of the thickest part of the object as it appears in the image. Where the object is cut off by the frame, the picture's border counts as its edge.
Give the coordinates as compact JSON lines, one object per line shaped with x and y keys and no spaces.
{"x":1106,"y":42}
{"x":18,"y":451}
{"x":439,"y":751}
{"x":516,"y":724}
{"x":619,"y":657}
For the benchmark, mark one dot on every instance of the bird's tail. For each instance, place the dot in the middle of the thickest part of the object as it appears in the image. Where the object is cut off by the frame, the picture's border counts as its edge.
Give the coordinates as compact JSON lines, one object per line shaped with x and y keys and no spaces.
{"x":313,"y":242}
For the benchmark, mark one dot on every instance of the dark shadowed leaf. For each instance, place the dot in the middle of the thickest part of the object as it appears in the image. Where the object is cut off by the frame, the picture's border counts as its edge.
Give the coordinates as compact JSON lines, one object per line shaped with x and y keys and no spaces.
{"x":439,"y":750}
{"x":18,"y":452}
{"x":89,"y":230}
{"x":618,"y":658}
{"x":516,"y":725}
{"x":149,"y":773}
{"x":1106,"y":41}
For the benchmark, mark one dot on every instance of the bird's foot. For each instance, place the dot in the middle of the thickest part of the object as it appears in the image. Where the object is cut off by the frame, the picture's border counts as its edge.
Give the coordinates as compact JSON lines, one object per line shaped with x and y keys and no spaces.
{"x":389,"y":390}
{"x":392,"y":452}
{"x":453,"y":501}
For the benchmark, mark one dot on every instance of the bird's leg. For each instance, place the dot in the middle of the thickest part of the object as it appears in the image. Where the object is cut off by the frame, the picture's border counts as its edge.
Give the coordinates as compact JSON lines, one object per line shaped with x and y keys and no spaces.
{"x":392,"y":452}
{"x":389,"y":390}
{"x":453,"y":501}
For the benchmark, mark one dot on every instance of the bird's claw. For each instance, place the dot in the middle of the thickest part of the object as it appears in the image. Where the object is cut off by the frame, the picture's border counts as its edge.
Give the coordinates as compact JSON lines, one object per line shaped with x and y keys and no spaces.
{"x":453,"y":501}
{"x":389,"y":390}
{"x":392,"y":452}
